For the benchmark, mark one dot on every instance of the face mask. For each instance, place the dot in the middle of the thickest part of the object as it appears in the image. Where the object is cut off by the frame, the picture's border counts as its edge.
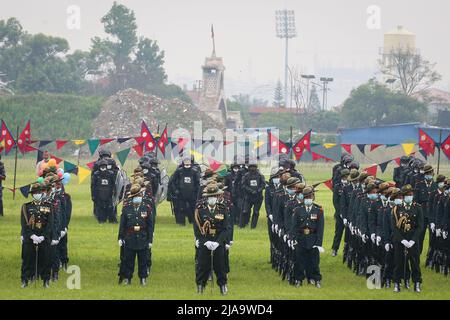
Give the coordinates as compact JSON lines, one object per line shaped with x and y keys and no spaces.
{"x":363,"y":186}
{"x":383,"y":197}
{"x":290,"y":192}
{"x":235,"y":169}
{"x":446,"y":192}
{"x":103,"y":169}
{"x":344,"y":181}
{"x":109,"y":167}
{"x":300,"y":196}
{"x":422,"y":172}
{"x":276,"y":181}
{"x":408,"y":199}
{"x":398,"y":202}
{"x":212,"y":201}
{"x":441,"y":185}
{"x":428,"y":177}
{"x":145,"y":171}
{"x":37,"y":197}
{"x":308,"y":202}
{"x":137,"y":200}
{"x":187,"y":166}
{"x":58,"y":190}
{"x":391,"y":202}
{"x":373,"y":196}
{"x":53,"y":190}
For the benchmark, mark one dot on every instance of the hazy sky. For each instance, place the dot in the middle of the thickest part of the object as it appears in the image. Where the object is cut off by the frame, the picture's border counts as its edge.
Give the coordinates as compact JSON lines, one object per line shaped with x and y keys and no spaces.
{"x":333,"y":37}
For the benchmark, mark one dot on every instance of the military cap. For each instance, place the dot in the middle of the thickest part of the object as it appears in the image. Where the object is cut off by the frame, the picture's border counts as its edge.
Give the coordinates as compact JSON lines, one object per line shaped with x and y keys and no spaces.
{"x":389,"y":191}
{"x":307,"y":191}
{"x":345,"y":172}
{"x":428,"y":168}
{"x":407,"y":189}
{"x":354,"y":175}
{"x":440,"y":178}
{"x":208,"y":172}
{"x":35,"y":187}
{"x":212,"y":190}
{"x":354,"y":165}
{"x":383,"y":186}
{"x":134,"y":190}
{"x":299,"y":187}
{"x":102,"y":162}
{"x":292,"y":181}
{"x":363,"y":176}
{"x":285,"y":176}
{"x":369,"y":179}
{"x":396,"y":192}
{"x":370,"y":187}
{"x":276,"y":172}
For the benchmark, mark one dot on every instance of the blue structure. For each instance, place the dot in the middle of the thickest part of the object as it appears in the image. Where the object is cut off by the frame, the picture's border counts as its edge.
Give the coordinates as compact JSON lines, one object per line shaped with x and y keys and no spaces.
{"x":390,"y":134}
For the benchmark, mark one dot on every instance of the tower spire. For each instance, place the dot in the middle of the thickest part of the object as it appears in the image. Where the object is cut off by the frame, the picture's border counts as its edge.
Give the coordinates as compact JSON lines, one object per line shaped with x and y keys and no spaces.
{"x":213,"y":41}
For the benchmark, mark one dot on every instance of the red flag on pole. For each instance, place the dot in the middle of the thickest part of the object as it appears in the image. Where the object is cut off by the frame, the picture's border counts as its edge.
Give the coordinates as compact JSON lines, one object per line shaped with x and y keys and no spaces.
{"x":276,"y":145}
{"x":163,"y":141}
{"x":426,"y":143}
{"x":24,"y":139}
{"x":7,"y":138}
{"x":446,"y":147}
{"x":329,"y":184}
{"x":146,"y":138}
{"x":301,"y":145}
{"x":372,"y":171}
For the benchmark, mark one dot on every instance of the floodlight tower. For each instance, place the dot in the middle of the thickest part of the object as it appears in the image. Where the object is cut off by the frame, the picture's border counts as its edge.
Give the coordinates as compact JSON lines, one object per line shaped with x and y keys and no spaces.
{"x":325,"y":82}
{"x":285,"y":28}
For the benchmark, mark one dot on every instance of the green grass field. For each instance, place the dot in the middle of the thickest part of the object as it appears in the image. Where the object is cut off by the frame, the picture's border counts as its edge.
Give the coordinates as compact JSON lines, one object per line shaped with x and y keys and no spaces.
{"x":94,"y":249}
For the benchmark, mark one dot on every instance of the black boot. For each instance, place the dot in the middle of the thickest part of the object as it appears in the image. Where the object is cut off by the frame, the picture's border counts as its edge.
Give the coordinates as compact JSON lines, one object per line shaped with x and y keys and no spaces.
{"x":254,"y":220}
{"x":200,"y":289}
{"x":333,"y":253}
{"x":24,"y":284}
{"x":318,"y":286}
{"x":126,"y":282}
{"x":397,"y":287}
{"x":417,"y":287}
{"x":223,"y":290}
{"x":298,"y":283}
{"x":46,"y":284}
{"x":120,"y":280}
{"x":143,"y":281}
{"x":407,"y":284}
{"x":55,"y":276}
{"x":388,"y":283}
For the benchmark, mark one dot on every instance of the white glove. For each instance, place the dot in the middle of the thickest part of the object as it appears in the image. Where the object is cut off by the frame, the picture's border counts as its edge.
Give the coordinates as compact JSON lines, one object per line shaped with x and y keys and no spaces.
{"x":378,"y":241}
{"x":373,"y":237}
{"x":405,"y":243}
{"x":41,"y":238}
{"x":445,"y":235}
{"x":276,"y":228}
{"x":438,"y":232}
{"x":227,"y":247}
{"x":359,"y":232}
{"x":150,"y":245}
{"x":63,"y":233}
{"x":285,"y":238}
{"x":121,"y":242}
{"x":411,"y":243}
{"x":21,"y":239}
{"x":279,"y":232}
{"x":197,"y":243}
{"x":231,"y":243}
{"x":273,"y":228}
{"x":345,"y":222}
{"x":364,"y":238}
{"x":271,"y":217}
{"x":214,"y":245}
{"x":387,"y":247}
{"x":35,"y":239}
{"x":54,"y":242}
{"x":208,"y":244}
{"x":432,"y":227}
{"x":321,"y":249}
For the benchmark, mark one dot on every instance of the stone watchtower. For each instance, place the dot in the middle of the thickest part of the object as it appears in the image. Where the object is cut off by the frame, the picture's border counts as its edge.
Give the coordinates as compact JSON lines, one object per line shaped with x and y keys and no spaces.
{"x":212,"y":99}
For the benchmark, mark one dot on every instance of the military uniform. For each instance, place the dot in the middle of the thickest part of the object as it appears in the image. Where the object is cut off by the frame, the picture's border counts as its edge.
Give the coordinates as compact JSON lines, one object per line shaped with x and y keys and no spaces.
{"x":37,"y":222}
{"x":407,"y":223}
{"x":211,"y":231}
{"x":307,"y":231}
{"x":136,"y":236}
{"x":253,"y":184}
{"x":102,"y":190}
{"x":338,"y":193}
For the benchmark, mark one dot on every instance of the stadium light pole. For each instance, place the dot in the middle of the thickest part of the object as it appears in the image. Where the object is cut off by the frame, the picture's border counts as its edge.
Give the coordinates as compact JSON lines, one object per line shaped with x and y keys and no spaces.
{"x":325,"y":82}
{"x":285,"y":29}
{"x":308,"y":78}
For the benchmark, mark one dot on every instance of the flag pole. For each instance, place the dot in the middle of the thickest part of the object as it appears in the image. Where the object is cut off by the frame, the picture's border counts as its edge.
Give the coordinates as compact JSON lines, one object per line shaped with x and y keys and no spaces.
{"x":15,"y":166}
{"x":290,"y":149}
{"x":79,"y":154}
{"x":157,"y":132}
{"x":439,"y":150}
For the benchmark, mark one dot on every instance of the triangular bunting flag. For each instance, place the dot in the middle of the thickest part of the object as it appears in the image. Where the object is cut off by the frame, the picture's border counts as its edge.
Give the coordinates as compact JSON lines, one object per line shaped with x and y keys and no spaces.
{"x":105,"y":141}
{"x":424,"y":153}
{"x":316,"y":156}
{"x":214,"y":164}
{"x":139,"y":150}
{"x":408,"y":148}
{"x":40,"y":156}
{"x":43,"y":143}
{"x":83,"y":173}
{"x":90,"y":165}
{"x":60,"y":143}
{"x":374,"y":146}
{"x":329,"y":145}
{"x":384,"y":165}
{"x":258,"y":144}
{"x":58,"y":160}
{"x":372,"y":171}
{"x":93,"y":145}
{"x":198,"y":157}
{"x":69,"y":167}
{"x":397,"y":160}
{"x":361,"y":148}
{"x":391,"y":145}
{"x":182,"y":143}
{"x":123,"y":155}
{"x":347,"y":148}
{"x":79,"y":142}
{"x":25,"y":190}
{"x":122,"y":140}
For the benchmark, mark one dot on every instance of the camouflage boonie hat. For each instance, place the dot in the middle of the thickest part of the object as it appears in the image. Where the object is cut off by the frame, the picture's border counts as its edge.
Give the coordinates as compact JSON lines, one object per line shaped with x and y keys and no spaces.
{"x":308,"y":191}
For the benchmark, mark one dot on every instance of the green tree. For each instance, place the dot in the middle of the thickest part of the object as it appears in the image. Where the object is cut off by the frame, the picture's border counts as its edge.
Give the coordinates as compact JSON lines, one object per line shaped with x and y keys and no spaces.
{"x":374,"y":104}
{"x":278,"y":100}
{"x":314,"y":102}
